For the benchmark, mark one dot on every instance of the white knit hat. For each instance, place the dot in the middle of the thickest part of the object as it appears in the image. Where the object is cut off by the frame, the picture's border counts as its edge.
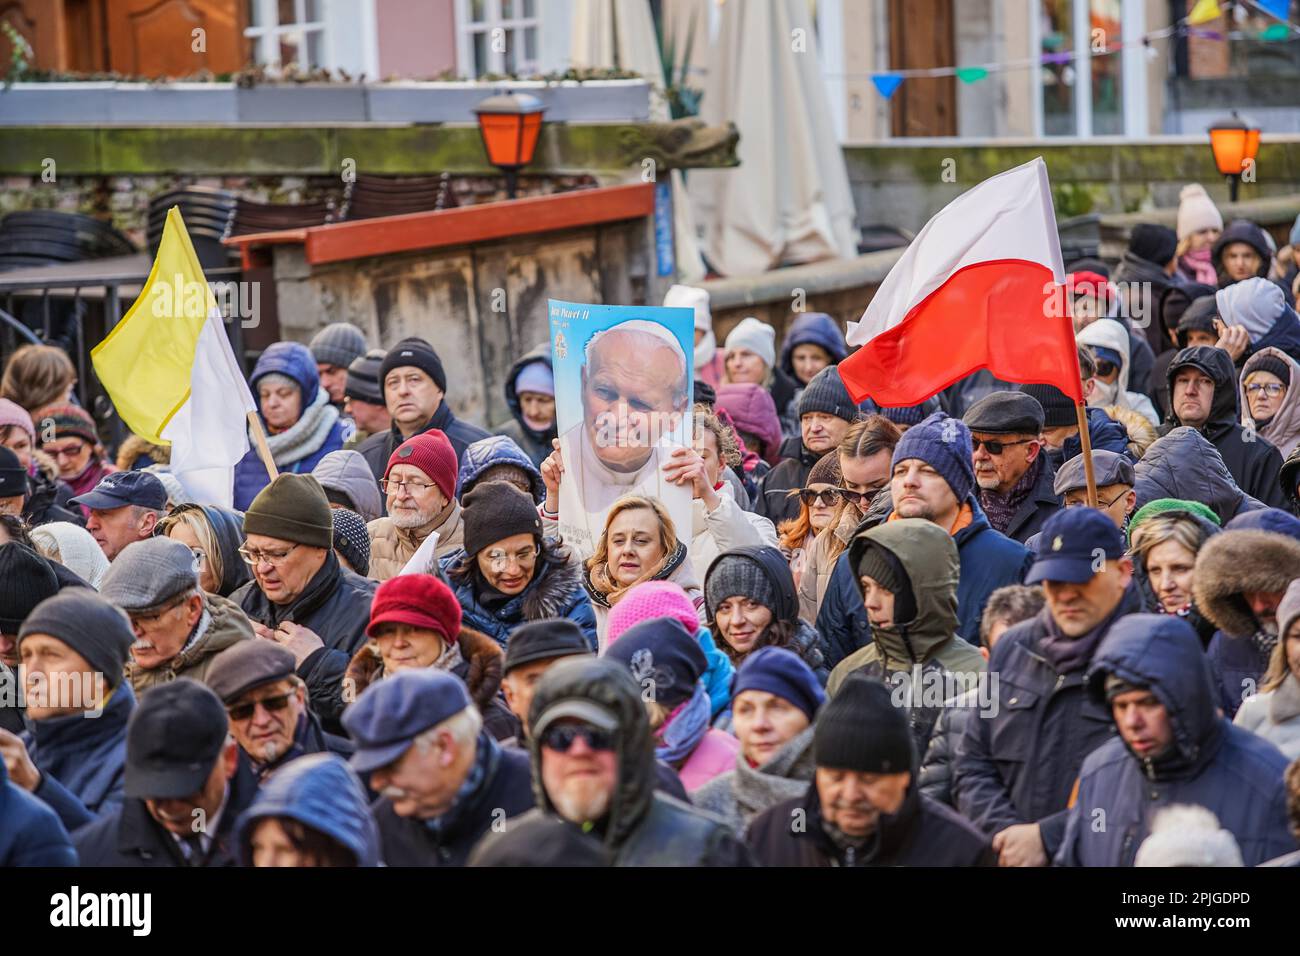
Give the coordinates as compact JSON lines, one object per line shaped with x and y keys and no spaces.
{"x":1196,"y":211}
{"x":689,"y":297}
{"x":758,"y":337}
{"x":1188,"y":835}
{"x":77,"y":550}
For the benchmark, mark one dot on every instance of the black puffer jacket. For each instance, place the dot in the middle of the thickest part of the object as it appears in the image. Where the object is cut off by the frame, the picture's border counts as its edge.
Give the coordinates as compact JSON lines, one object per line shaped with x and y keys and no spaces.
{"x":336,"y":605}
{"x":1184,"y":465}
{"x":1255,"y":463}
{"x":642,"y":826}
{"x":921,"y":833}
{"x":378,"y":448}
{"x":47,"y":501}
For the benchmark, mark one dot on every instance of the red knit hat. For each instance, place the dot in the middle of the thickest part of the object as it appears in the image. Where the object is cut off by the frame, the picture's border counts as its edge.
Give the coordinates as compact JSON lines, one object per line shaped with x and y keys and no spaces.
{"x":432,"y":453}
{"x":420,"y":600}
{"x":649,"y":600}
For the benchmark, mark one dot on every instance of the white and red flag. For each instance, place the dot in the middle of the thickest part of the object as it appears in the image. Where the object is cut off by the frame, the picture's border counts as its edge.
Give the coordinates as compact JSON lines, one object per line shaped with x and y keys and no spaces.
{"x":979,"y":287}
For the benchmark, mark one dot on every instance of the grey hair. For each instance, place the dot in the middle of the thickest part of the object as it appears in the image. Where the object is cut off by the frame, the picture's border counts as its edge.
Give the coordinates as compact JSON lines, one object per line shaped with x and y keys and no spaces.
{"x":659,"y":335}
{"x":463,"y":726}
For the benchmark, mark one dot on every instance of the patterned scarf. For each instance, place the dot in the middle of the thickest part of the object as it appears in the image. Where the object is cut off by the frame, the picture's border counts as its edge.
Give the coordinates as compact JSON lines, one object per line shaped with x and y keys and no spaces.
{"x":685,"y":727}
{"x":1000,"y":510}
{"x":486,"y":757}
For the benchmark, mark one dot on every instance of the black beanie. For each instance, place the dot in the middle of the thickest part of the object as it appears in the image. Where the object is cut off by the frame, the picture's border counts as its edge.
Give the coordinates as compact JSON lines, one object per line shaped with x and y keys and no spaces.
{"x":13,"y":477}
{"x":826,"y":393}
{"x":1153,"y":243}
{"x":292,"y":508}
{"x":1058,"y":408}
{"x":494,"y":510}
{"x":95,"y":629}
{"x":26,"y":579}
{"x":860,"y":729}
{"x":882,"y":566}
{"x":416,"y":353}
{"x":1273,"y":365}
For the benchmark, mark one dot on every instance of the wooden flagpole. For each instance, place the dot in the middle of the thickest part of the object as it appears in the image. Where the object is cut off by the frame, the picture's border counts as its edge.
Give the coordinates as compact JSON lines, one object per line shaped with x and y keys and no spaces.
{"x":264,"y":450}
{"x":1081,"y":411}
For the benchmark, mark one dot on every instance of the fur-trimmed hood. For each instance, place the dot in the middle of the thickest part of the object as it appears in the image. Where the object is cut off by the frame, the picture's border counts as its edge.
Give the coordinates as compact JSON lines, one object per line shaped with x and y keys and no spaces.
{"x":1232,"y":562}
{"x":481,"y":668}
{"x":135,"y":447}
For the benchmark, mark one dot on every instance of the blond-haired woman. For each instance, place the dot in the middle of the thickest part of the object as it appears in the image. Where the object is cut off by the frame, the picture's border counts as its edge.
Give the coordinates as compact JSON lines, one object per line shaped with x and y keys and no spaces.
{"x":638,"y":543}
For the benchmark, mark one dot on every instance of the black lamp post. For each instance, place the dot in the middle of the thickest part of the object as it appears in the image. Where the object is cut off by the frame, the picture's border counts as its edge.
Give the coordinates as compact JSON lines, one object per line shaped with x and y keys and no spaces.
{"x":1235,"y":143}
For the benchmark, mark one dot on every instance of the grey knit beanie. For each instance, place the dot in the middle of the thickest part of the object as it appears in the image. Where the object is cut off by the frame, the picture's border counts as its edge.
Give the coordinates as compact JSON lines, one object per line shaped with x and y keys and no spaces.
{"x":339,"y":343}
{"x":735,"y":574}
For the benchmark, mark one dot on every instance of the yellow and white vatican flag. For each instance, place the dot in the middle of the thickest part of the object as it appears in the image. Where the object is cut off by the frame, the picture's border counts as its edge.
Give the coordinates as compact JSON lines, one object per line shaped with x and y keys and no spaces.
{"x":171,"y":373}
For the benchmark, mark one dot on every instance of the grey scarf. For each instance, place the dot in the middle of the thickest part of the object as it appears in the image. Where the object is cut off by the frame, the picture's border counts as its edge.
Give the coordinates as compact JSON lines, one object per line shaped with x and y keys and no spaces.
{"x":305,"y":436}
{"x":785,"y":776}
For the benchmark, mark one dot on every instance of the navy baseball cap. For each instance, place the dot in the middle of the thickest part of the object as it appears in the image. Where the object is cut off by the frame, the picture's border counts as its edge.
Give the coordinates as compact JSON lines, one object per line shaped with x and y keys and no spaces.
{"x":392,"y":713}
{"x":1072,"y":541}
{"x":124,"y":488}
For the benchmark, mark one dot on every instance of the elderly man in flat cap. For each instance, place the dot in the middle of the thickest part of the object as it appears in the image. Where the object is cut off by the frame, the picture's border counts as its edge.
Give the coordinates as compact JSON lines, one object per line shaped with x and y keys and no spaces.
{"x":179,"y":628}
{"x":266,"y":701}
{"x":1013,"y":474}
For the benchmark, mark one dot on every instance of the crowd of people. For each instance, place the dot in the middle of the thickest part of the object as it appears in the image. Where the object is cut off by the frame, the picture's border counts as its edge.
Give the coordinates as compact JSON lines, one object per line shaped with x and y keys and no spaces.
{"x":890,"y":636}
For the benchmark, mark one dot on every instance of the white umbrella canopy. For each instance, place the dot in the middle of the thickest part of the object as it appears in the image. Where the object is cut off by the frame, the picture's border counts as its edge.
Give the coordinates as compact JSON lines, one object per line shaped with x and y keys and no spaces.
{"x":789,"y":202}
{"x":607,"y":33}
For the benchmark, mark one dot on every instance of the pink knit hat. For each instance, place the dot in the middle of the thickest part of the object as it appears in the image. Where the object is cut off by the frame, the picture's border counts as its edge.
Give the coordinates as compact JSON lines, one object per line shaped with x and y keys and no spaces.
{"x":650,"y":600}
{"x":12,"y":414}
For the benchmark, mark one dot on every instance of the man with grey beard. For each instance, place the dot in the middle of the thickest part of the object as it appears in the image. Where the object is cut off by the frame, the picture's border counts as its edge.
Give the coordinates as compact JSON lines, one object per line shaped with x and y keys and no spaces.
{"x":266,"y":702}
{"x":443,"y":780}
{"x":594,"y":765}
{"x":420,"y":485}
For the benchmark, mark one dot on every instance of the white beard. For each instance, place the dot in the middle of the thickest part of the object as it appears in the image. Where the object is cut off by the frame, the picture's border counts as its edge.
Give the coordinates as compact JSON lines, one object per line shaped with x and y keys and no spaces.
{"x":581,"y":808}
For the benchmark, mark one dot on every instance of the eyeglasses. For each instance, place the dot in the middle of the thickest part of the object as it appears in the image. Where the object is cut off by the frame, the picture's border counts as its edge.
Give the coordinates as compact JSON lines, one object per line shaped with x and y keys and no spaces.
{"x":66,"y":451}
{"x":1100,"y":504}
{"x":1272,"y":389}
{"x":273,"y":558}
{"x":499,"y":560}
{"x":414,"y":487}
{"x":273,"y":705}
{"x":561,"y":738}
{"x":997,"y":447}
{"x":1105,"y":368}
{"x":200,"y":558}
{"x":146,"y":621}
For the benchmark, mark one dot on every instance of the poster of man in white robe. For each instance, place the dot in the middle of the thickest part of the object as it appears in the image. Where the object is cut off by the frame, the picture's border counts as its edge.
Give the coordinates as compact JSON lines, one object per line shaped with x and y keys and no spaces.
{"x":623,"y":387}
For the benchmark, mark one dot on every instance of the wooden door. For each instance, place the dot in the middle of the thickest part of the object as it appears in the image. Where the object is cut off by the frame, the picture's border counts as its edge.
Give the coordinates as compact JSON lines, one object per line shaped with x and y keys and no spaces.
{"x":921,"y":36}
{"x":156,"y":38}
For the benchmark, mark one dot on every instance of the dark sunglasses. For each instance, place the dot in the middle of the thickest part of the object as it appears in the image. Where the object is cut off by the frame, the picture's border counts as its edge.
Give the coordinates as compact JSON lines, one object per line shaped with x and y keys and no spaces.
{"x":272,"y":704}
{"x":1106,"y":368}
{"x":827,"y":496}
{"x":997,"y":447}
{"x":561,"y":738}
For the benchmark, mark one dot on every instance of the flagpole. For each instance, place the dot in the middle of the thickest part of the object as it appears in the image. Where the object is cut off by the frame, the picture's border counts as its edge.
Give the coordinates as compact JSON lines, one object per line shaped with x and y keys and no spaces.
{"x":1081,"y":412}
{"x":264,"y":450}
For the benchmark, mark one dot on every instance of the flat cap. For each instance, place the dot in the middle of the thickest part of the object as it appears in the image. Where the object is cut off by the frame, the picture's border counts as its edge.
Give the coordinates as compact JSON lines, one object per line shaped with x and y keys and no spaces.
{"x":1005,"y":413}
{"x":149,"y":573}
{"x":544,"y":640}
{"x":1108,"y":467}
{"x":246,"y":665}
{"x":390,"y":714}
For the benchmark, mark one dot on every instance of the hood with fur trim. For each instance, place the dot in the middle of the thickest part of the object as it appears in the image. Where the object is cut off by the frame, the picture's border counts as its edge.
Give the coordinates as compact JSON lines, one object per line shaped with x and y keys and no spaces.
{"x":1233,"y":562}
{"x":135,"y":448}
{"x":483,"y":656}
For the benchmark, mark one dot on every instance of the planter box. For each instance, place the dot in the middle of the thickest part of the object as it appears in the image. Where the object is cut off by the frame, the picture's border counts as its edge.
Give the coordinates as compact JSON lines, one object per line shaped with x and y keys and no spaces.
{"x":223,"y":104}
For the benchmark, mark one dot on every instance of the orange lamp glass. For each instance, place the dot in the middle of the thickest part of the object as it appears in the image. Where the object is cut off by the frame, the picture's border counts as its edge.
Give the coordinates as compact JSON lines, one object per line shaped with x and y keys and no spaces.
{"x":1234,"y":142}
{"x":510,"y":124}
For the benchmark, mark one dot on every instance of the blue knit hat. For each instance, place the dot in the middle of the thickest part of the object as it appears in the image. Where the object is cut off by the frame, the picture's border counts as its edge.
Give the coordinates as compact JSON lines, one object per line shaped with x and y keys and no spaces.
{"x":782,"y":673}
{"x":943,"y":443}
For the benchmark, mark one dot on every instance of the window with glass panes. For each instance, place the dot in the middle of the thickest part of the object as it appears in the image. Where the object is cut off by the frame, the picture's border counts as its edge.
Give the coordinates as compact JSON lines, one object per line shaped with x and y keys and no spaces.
{"x":497,"y":36}
{"x":287,"y":32}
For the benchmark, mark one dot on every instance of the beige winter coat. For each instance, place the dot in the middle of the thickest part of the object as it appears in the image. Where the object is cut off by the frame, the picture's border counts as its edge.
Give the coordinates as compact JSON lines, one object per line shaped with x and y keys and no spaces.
{"x":391,"y":547}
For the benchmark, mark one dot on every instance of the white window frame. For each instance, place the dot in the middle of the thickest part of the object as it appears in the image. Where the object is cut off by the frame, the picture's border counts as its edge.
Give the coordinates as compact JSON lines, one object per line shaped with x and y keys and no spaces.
{"x":267,"y":36}
{"x":467,"y":28}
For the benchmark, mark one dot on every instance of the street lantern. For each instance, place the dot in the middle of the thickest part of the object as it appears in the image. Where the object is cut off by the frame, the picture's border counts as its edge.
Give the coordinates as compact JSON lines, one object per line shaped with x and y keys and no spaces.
{"x":510,"y":124}
{"x":1235,"y":143}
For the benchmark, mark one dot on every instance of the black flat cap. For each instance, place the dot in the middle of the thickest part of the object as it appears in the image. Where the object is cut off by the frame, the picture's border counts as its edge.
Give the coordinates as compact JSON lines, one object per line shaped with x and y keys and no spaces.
{"x":543,"y":640}
{"x":246,"y":665}
{"x":1005,"y":413}
{"x":1108,"y":467}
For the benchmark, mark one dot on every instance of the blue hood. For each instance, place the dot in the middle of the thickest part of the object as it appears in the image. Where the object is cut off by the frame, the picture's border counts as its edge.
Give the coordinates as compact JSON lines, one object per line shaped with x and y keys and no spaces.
{"x":321,"y":791}
{"x":497,"y":450}
{"x":813,"y":328}
{"x":1267,"y":519}
{"x":1106,"y":434}
{"x":294,"y":360}
{"x":1163,"y":653}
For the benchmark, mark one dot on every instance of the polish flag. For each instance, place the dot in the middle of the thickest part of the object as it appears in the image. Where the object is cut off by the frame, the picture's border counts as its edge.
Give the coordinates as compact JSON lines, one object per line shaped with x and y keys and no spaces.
{"x":979,"y":287}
